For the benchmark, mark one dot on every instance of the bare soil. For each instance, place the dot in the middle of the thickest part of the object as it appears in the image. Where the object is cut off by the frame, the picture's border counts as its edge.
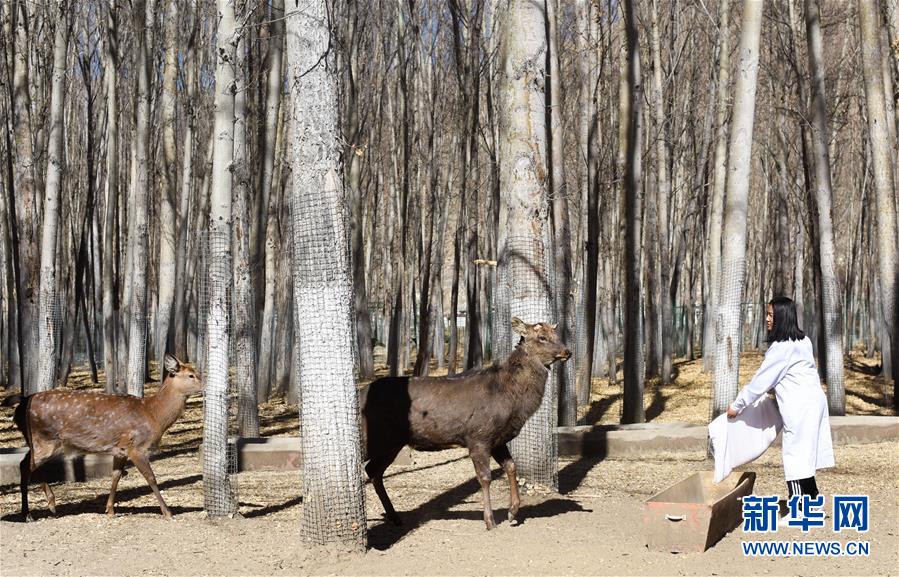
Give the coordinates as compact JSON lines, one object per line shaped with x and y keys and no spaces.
{"x":593,"y":526}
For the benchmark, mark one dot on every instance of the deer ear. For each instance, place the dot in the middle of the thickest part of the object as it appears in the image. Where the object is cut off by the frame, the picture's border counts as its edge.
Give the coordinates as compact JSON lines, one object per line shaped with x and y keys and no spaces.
{"x":554,"y":326}
{"x":519,"y":326}
{"x":171,"y":364}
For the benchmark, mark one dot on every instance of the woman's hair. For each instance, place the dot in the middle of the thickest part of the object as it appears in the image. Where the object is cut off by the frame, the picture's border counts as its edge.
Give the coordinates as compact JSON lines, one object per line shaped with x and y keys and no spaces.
{"x":786,"y":324}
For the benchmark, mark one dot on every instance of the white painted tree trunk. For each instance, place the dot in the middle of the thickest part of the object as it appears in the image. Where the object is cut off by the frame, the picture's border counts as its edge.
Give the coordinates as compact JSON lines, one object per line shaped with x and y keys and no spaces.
{"x":219,"y":498}
{"x":733,"y":241}
{"x":333,"y":497}
{"x":526,"y":255}
{"x":50,"y":315}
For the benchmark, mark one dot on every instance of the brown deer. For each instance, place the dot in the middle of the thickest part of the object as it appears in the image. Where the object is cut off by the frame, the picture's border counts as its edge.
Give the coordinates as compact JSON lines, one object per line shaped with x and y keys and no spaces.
{"x":481,"y":409}
{"x":125,"y":427}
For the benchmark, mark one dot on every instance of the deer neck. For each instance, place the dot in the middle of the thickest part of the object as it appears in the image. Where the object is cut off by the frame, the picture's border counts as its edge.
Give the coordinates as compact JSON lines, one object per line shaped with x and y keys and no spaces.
{"x":166,"y":406}
{"x":526,"y":374}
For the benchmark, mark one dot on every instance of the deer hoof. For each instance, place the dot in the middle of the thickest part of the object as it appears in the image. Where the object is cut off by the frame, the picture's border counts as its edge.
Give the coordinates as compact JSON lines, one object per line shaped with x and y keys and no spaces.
{"x":395,"y":519}
{"x":28,"y":518}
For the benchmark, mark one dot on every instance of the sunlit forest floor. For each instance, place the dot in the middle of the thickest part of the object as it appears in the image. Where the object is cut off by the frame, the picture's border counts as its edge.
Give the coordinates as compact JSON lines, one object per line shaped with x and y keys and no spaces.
{"x":686,"y":399}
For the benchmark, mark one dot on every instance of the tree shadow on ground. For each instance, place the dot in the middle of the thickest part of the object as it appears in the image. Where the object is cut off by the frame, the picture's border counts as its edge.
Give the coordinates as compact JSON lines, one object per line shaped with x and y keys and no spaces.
{"x":657,"y":406}
{"x":599,"y":408}
{"x":263,"y":511}
{"x":98,"y":504}
{"x":853,"y":365}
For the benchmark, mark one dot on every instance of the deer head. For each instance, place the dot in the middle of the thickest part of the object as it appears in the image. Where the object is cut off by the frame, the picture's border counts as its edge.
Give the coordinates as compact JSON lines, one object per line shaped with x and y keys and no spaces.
{"x":181,"y":378}
{"x":541,"y":341}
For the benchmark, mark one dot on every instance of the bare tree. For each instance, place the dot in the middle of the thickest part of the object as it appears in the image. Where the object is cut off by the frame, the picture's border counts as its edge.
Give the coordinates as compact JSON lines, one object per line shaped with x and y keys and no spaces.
{"x":869,"y":24}
{"x":219,"y":499}
{"x":830,"y":304}
{"x":716,"y":215}
{"x":526,"y":253}
{"x":632,"y":411}
{"x":167,"y":214}
{"x":561,"y":222}
{"x":333,"y":504}
{"x":733,"y":238}
{"x":50,"y":317}
{"x":144,"y":16}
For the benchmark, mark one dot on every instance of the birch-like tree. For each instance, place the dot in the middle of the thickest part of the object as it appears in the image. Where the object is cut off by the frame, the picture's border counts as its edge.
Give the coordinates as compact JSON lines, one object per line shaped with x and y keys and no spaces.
{"x":333,"y":498}
{"x":50,"y":317}
{"x":829,"y":302}
{"x":716,"y":212}
{"x":144,"y":15}
{"x":733,"y":237}
{"x":219,"y":498}
{"x":888,"y":262}
{"x":524,"y":217}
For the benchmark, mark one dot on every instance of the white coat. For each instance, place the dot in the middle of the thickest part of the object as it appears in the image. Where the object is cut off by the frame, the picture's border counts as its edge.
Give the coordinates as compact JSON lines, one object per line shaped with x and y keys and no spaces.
{"x":789,"y":369}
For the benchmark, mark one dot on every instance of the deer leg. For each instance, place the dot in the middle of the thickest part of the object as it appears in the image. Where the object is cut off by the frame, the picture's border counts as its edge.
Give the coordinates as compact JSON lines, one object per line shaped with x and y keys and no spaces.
{"x":481,"y":459}
{"x":504,"y":458}
{"x":143,"y":465}
{"x":375,"y":471}
{"x":25,"y":468}
{"x":118,"y":467}
{"x":51,"y":498}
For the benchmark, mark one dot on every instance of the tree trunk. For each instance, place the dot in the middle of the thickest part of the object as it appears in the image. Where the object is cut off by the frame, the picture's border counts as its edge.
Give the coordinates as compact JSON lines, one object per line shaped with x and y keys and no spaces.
{"x":720,"y":182}
{"x":27,"y":206}
{"x":869,"y":23}
{"x":182,"y":286}
{"x":733,"y":251}
{"x":50,"y":316}
{"x":523,"y":173}
{"x":274,"y":83}
{"x":561,"y":227}
{"x":167,"y":214}
{"x":830,"y":304}
{"x":355,"y":154}
{"x":111,"y":311}
{"x":219,"y":498}
{"x":632,"y":411}
{"x":333,"y":504}
{"x":144,"y":15}
{"x":244,"y":303}
{"x":663,"y":189}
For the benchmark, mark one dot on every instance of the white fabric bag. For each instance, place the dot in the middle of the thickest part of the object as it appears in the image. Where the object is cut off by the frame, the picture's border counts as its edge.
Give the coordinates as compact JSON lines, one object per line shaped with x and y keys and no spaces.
{"x":744,"y":438}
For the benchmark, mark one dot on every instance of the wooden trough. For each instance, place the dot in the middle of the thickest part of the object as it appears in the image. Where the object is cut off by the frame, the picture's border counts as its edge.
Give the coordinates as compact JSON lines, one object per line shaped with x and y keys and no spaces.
{"x":694,"y":514}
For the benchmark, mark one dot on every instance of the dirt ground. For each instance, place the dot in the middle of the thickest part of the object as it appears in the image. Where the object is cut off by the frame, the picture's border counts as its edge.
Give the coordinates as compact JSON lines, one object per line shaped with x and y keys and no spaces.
{"x":592,"y":527}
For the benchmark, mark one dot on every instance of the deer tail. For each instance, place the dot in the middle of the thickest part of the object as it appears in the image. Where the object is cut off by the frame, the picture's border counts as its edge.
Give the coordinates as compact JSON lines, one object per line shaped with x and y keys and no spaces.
{"x":20,"y":417}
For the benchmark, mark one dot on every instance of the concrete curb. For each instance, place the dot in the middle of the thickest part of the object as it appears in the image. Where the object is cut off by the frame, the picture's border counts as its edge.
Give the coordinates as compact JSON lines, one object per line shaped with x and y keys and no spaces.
{"x":600,"y":441}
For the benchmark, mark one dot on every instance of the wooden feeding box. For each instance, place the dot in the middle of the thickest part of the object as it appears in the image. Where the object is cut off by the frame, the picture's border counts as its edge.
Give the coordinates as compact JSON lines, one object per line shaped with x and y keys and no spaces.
{"x":694,"y":514}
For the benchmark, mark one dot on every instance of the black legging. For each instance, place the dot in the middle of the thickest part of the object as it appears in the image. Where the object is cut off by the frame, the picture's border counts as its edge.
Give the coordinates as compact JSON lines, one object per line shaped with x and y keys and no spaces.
{"x":803,"y":487}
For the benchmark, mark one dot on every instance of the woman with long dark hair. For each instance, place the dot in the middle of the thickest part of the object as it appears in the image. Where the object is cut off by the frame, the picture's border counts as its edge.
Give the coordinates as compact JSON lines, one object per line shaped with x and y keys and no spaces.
{"x":789,"y":369}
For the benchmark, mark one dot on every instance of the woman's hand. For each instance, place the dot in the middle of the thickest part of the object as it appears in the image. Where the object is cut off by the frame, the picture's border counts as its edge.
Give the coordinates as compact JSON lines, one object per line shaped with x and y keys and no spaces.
{"x":731,"y":413}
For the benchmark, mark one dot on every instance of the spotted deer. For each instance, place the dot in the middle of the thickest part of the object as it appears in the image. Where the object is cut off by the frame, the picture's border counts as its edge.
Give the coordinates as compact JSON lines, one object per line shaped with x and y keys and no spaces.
{"x":125,"y":427}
